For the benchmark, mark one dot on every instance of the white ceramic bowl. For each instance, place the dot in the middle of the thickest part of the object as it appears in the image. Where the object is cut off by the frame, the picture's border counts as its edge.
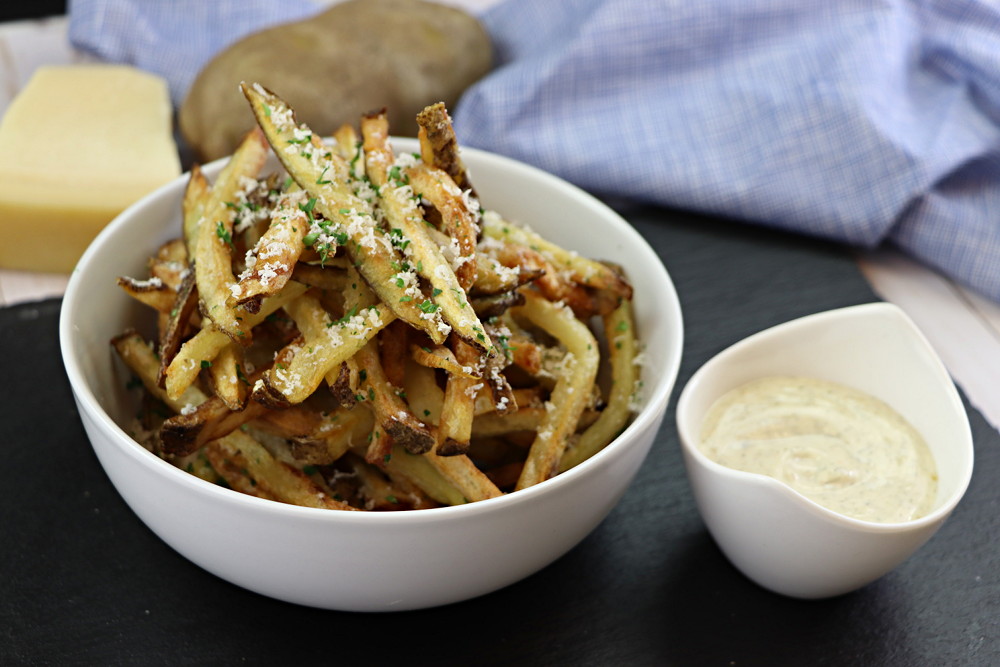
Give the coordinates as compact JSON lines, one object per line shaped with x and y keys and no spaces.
{"x":776,"y":536}
{"x":354,"y":560}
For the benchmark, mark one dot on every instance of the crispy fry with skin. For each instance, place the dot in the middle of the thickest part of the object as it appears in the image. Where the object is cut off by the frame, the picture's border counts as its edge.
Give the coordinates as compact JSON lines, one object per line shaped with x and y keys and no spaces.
{"x":193,"y":207}
{"x":550,"y":281}
{"x":402,"y":213}
{"x":438,"y":144}
{"x":393,"y":415}
{"x":572,"y":390}
{"x":139,"y":357}
{"x":418,"y":471}
{"x":154,"y":293}
{"x":455,"y":426}
{"x":619,"y":329}
{"x":457,"y":221}
{"x":275,"y":255}
{"x":426,"y":398}
{"x":224,"y":375}
{"x":326,"y":344}
{"x":207,"y":343}
{"x":213,"y":258}
{"x":278,"y":479}
{"x":314,"y":438}
{"x":185,"y":433}
{"x":176,"y":326}
{"x":442,"y":358}
{"x":325,"y":176}
{"x":587,"y":272}
{"x":465,"y":476}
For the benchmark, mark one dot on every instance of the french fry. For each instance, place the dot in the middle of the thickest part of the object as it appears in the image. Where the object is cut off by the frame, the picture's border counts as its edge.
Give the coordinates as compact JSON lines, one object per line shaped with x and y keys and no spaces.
{"x":318,"y":438}
{"x":422,"y":474}
{"x":326,"y":344}
{"x":324,"y":175}
{"x":278,"y":479}
{"x":396,"y":197}
{"x":587,"y":272}
{"x":274,"y":257}
{"x":193,"y":207}
{"x":442,"y":358}
{"x":224,"y":375}
{"x":619,"y":329}
{"x":177,"y":324}
{"x":461,"y":472}
{"x":152,"y":292}
{"x":571,"y":392}
{"x":438,"y":144}
{"x":213,"y":258}
{"x":140,"y":358}
{"x":392,"y":413}
{"x":457,"y":221}
{"x":455,"y":425}
{"x":207,"y":343}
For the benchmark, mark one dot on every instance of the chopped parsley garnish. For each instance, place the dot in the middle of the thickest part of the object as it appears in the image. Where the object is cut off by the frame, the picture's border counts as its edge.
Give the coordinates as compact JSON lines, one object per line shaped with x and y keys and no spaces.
{"x":223,"y":233}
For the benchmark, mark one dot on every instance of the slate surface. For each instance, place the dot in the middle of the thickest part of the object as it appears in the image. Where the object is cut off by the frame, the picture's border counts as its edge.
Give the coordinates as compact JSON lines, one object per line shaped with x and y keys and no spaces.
{"x":84,"y":582}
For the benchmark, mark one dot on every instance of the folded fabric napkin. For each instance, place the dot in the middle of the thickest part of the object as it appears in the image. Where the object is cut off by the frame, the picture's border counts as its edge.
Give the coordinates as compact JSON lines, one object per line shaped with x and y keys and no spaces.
{"x":860,"y":121}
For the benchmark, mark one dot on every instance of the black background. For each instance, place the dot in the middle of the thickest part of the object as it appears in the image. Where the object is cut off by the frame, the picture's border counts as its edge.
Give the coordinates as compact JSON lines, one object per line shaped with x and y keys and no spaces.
{"x":84,"y":582}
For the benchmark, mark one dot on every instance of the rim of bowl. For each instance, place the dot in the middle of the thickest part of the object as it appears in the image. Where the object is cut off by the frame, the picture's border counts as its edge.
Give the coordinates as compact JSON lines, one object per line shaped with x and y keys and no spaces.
{"x":656,"y":398}
{"x":688,"y":442}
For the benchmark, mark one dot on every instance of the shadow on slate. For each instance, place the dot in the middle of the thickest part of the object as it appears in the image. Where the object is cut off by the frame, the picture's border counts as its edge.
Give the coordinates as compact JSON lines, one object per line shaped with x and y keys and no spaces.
{"x":86,"y":583}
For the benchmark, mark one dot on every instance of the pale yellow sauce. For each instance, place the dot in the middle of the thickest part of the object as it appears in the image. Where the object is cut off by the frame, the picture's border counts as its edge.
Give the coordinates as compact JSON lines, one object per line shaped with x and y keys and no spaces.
{"x":838,"y":446}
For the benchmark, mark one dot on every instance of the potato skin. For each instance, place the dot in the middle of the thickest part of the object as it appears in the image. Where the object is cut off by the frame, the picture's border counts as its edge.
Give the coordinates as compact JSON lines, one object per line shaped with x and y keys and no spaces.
{"x":356,"y":56}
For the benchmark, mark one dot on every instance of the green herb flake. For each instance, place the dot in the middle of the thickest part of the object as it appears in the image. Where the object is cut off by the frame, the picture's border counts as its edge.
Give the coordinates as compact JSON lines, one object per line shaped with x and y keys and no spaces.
{"x":223,"y":233}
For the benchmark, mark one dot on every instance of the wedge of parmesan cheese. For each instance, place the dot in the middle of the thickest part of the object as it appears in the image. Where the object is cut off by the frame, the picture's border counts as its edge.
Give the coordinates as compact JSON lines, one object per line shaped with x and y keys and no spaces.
{"x":77,"y":146}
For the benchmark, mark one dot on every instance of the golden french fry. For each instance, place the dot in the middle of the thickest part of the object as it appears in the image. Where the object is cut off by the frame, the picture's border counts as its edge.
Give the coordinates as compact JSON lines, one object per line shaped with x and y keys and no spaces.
{"x":224,"y":375}
{"x":585,"y":271}
{"x":392,"y":413}
{"x":152,"y":292}
{"x":455,"y":425}
{"x":457,"y":220}
{"x":438,"y":144}
{"x":619,"y":329}
{"x":193,"y":207}
{"x":140,"y":358}
{"x":278,"y":479}
{"x":326,"y":344}
{"x":448,"y":300}
{"x":207,"y":343}
{"x":213,"y":250}
{"x":572,"y":390}
{"x":276,"y":253}
{"x":175,"y":329}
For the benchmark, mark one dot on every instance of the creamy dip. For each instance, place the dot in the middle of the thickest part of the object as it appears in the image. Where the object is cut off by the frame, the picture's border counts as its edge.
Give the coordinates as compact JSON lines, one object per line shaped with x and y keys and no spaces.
{"x":838,"y":446}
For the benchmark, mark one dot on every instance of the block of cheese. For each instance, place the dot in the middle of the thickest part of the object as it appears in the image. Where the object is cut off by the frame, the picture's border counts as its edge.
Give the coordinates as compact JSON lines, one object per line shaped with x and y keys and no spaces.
{"x":77,"y":146}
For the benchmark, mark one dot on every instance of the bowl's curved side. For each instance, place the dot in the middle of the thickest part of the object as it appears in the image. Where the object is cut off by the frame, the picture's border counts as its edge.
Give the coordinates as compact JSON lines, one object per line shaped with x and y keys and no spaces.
{"x":337,"y":562}
{"x":365,"y":561}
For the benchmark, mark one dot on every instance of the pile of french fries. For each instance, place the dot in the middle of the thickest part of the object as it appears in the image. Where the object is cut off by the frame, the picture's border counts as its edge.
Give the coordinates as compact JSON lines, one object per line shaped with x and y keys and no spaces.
{"x":357,"y":334}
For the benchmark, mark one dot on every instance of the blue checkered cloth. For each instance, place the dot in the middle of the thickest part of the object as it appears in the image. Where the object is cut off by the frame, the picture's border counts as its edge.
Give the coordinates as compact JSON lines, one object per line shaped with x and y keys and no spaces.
{"x":173,"y":38}
{"x":860,"y":121}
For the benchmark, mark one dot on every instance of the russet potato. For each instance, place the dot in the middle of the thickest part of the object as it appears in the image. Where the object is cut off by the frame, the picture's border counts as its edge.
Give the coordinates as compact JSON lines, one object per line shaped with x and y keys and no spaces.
{"x":354,"y":57}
